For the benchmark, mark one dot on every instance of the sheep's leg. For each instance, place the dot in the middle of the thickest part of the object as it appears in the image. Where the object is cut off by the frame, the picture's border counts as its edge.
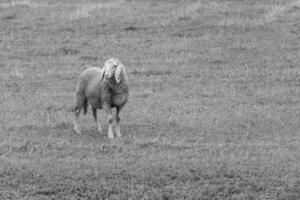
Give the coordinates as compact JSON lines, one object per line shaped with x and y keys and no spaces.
{"x":80,"y":102}
{"x":76,"y":121}
{"x":107,"y":109}
{"x":118,"y":132}
{"x":96,"y":120}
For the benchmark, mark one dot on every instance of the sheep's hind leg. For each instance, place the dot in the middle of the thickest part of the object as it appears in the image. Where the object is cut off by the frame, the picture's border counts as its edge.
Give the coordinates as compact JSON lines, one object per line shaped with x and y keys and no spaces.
{"x":76,"y":121}
{"x":97,"y":120}
{"x":118,"y":132}
{"x":107,"y":109}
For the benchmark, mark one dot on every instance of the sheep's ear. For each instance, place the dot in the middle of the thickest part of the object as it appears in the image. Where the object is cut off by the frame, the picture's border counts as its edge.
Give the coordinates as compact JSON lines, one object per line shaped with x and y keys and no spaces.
{"x":118,"y":72}
{"x":103,"y":72}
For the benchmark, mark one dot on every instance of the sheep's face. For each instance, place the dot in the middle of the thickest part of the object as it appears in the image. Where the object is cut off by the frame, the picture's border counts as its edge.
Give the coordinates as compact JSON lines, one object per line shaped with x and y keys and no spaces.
{"x":110,"y":67}
{"x":114,"y":68}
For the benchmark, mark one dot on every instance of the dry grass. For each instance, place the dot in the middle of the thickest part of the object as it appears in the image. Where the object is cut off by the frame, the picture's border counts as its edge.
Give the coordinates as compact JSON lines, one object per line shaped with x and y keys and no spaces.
{"x":214,"y":108}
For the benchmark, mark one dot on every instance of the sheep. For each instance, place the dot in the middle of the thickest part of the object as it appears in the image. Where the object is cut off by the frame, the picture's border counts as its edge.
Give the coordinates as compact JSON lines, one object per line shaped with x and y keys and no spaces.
{"x":105,"y":88}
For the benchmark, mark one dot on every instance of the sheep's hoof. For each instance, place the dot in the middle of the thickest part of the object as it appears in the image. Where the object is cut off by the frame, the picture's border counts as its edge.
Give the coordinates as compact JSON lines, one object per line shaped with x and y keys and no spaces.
{"x":110,"y":136}
{"x":118,"y":133}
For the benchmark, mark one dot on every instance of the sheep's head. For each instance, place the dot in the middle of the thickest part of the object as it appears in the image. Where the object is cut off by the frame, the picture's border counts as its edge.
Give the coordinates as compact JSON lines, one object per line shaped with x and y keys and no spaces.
{"x":113,"y":67}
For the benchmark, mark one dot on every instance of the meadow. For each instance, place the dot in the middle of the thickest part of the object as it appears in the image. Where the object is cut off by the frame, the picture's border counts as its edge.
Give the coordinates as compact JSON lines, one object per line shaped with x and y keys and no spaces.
{"x":214,"y":106}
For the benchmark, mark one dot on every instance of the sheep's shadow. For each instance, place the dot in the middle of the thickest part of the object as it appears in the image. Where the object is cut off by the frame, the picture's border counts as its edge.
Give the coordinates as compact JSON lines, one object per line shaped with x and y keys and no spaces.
{"x":145,"y":131}
{"x":90,"y":134}
{"x":154,"y":130}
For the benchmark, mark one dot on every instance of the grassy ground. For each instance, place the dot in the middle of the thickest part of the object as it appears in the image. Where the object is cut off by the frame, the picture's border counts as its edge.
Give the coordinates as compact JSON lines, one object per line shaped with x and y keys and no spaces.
{"x":214,"y":109}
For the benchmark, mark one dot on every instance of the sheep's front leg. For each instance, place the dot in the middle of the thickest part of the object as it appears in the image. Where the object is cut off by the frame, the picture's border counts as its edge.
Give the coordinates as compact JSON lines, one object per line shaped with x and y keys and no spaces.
{"x":118,"y":119}
{"x":107,"y":109}
{"x":96,"y":120}
{"x":76,"y":121}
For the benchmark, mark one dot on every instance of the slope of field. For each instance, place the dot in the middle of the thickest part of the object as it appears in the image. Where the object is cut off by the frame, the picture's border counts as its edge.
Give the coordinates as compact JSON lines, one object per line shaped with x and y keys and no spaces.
{"x":214,"y":109}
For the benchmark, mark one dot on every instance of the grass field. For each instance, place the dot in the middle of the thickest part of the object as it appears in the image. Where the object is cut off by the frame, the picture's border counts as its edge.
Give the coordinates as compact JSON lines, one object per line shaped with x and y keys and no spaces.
{"x":214,"y":107}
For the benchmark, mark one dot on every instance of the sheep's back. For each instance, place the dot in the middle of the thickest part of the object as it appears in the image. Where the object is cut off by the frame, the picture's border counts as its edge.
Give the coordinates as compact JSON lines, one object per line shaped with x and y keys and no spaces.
{"x":91,"y":73}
